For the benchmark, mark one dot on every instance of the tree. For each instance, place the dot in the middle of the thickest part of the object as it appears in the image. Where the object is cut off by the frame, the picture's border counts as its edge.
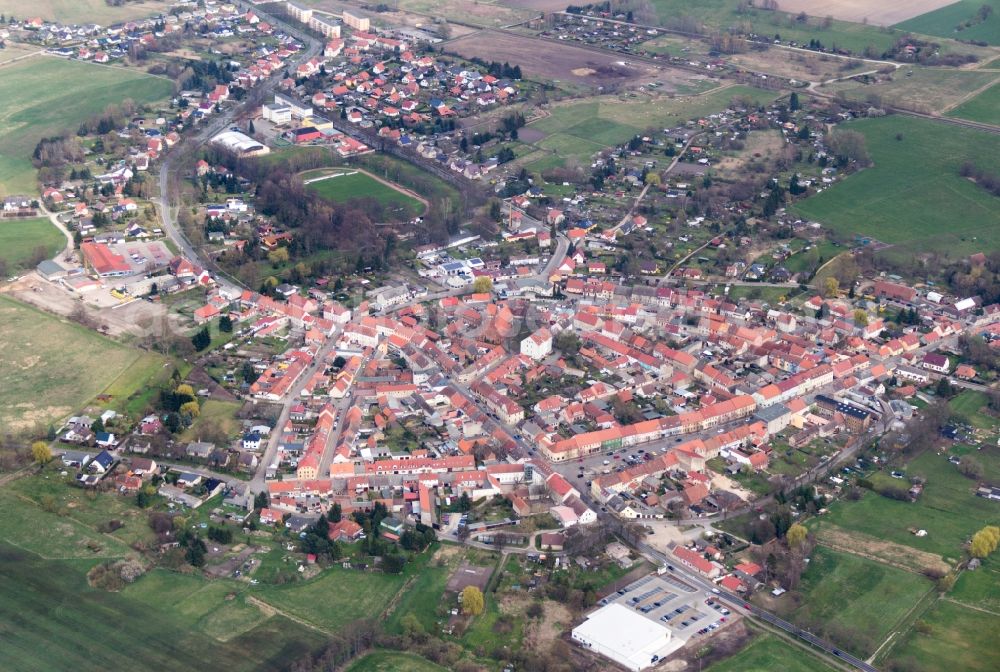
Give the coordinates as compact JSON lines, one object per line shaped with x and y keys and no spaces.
{"x":653,"y":179}
{"x":793,"y":102}
{"x":278,"y":256}
{"x":202,"y":339}
{"x":464,"y":502}
{"x":796,"y":535}
{"x":41,"y":453}
{"x":191,"y":409}
{"x":226,"y":324}
{"x":483,"y":284}
{"x":860,"y":318}
{"x":971,"y":468}
{"x":981,"y":545}
{"x":831,"y":287}
{"x":250,"y":129}
{"x":472,"y":601}
{"x":335,"y":513}
{"x":184,"y":390}
{"x":261,"y":500}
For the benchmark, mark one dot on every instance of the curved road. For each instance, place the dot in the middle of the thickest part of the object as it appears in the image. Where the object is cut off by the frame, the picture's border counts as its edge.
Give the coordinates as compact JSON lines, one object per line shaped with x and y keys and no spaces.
{"x":212,"y":127}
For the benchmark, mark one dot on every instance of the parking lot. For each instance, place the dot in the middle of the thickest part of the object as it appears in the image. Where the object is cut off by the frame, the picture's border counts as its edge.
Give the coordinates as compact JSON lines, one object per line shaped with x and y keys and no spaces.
{"x":685,"y":610}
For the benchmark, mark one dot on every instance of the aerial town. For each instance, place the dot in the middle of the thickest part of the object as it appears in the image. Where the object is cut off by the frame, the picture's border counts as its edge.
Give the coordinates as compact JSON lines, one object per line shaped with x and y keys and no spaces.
{"x":423,"y":336}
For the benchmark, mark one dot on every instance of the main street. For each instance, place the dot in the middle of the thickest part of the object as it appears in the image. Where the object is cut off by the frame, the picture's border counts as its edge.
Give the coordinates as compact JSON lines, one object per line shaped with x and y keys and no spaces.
{"x":172,"y":162}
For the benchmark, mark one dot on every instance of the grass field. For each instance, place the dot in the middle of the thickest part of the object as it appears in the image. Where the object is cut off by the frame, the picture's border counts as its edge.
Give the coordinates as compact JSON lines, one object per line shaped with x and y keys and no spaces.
{"x":54,"y":620}
{"x":53,"y":366}
{"x":913,"y":197}
{"x":944,"y":21}
{"x":969,"y":405}
{"x":722,"y":14}
{"x":984,"y":108}
{"x":422,"y":597}
{"x":134,"y":388}
{"x":578,"y":130}
{"x":957,"y":638}
{"x":216,"y":413}
{"x":947,"y":510}
{"x":849,"y":592}
{"x":339,"y":595}
{"x":348,"y":185}
{"x":926,"y":90}
{"x":393,"y":661}
{"x":980,"y":589}
{"x":82,"y":11}
{"x":73,"y":92}
{"x":20,"y":238}
{"x":49,"y":491}
{"x":767,"y":653}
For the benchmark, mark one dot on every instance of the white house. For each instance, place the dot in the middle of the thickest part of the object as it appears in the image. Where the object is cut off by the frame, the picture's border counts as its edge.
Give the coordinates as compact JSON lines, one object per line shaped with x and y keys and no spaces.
{"x":538,"y":345}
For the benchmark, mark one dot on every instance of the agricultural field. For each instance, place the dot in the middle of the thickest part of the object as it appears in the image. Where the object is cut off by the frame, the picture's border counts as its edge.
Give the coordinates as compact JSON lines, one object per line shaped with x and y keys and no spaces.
{"x":43,"y":597}
{"x":897,"y":201}
{"x":948,"y":510}
{"x":721,"y":14}
{"x":882,"y":13}
{"x":950,"y":636}
{"x":487,"y":14}
{"x":345,"y":185}
{"x":393,"y":661}
{"x":55,"y":366}
{"x":767,"y":653}
{"x":944,"y":22}
{"x":83,"y":11}
{"x":850,"y":594}
{"x":23,"y":241}
{"x":554,"y":62}
{"x":985,"y":107}
{"x":921,"y":89}
{"x":74,"y":91}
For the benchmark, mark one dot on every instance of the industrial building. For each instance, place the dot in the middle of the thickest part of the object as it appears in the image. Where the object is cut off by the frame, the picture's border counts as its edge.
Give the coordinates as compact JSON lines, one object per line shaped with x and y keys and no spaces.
{"x":240,"y":144}
{"x":648,"y":620}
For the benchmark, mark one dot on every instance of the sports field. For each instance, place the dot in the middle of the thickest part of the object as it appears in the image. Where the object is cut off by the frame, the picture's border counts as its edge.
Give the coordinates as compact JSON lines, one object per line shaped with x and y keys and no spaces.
{"x":346,"y":185}
{"x":950,"y":636}
{"x":54,"y":621}
{"x":944,"y":22}
{"x":578,"y":130}
{"x":767,"y":653}
{"x":82,"y":11}
{"x":985,"y":107}
{"x":860,"y":598}
{"x":53,"y":366}
{"x":73,"y":92}
{"x":899,"y":200}
{"x":722,"y":14}
{"x":20,"y":238}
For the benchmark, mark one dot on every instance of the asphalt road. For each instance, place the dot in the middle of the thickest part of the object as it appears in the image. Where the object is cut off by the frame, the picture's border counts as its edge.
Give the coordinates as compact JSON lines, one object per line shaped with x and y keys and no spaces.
{"x":214,"y":126}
